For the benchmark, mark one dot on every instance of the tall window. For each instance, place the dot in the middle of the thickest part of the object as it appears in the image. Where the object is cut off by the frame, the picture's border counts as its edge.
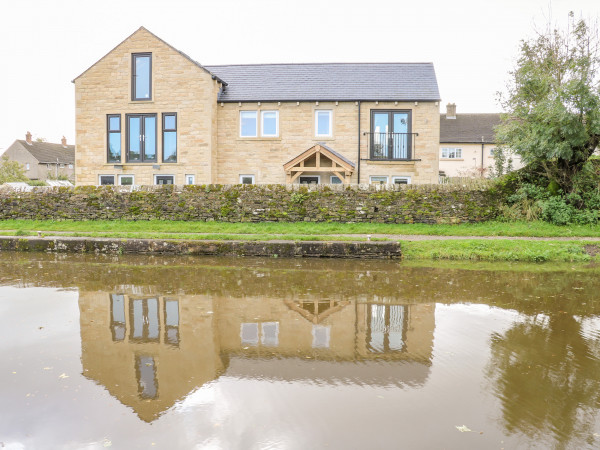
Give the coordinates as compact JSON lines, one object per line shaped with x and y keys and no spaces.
{"x":269,"y":123}
{"x":114,"y":138}
{"x":144,"y":319}
{"x":391,"y":136}
{"x":141,"y":76}
{"x":169,"y":137}
{"x":323,"y":123}
{"x":141,"y":137}
{"x":248,"y":124}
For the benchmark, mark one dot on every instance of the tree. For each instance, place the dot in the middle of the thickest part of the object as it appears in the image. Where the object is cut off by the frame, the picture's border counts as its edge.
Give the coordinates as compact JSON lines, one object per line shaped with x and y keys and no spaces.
{"x":552,"y":102}
{"x":11,"y":171}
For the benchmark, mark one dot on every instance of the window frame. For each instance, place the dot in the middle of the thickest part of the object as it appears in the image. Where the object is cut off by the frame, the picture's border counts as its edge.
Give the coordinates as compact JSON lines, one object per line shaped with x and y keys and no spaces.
{"x":387,"y":179}
{"x":134,"y":75}
{"x":143,"y":158}
{"x":193,"y":179}
{"x":409,"y":134}
{"x":457,"y":153}
{"x":126,"y":175}
{"x":262,"y":123}
{"x":401,"y":177}
{"x":242,"y":176}
{"x":106,"y":175}
{"x":108,"y":133}
{"x":330,"y":113}
{"x":169,"y":130}
{"x":255,"y":126}
{"x":331,"y":177}
{"x":156,"y":175}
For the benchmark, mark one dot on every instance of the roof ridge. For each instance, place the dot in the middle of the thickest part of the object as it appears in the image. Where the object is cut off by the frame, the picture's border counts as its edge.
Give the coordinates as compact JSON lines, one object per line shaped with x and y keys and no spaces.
{"x":318,"y":63}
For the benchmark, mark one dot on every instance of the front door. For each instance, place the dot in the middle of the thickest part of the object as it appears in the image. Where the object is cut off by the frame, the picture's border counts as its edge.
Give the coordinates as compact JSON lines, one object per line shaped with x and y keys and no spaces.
{"x":390,"y":135}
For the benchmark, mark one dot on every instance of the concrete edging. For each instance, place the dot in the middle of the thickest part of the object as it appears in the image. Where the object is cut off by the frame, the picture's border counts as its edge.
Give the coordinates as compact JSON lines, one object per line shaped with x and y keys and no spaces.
{"x":310,"y":249}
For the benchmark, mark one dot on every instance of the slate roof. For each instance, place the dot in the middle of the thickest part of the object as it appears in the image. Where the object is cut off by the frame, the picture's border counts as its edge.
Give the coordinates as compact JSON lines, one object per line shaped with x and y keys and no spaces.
{"x":328,"y":82}
{"x":45,"y":152}
{"x":469,"y":128}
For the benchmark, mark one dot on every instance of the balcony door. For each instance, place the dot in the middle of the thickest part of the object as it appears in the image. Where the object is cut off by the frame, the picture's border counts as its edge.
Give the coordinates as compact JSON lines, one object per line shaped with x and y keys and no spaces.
{"x":390,"y":134}
{"x":141,"y":137}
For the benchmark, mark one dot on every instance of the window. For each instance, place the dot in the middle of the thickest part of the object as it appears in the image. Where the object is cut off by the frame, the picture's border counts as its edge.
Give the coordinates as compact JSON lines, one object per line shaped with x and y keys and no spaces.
{"x":323,"y":123}
{"x":172,"y":321}
{"x":114,"y":138}
{"x":144,"y":320}
{"x":117,"y":318}
{"x":141,"y":137}
{"x":248,"y":124}
{"x":314,"y":179}
{"x":164,"y":179}
{"x":169,"y":137}
{"x":145,"y":370}
{"x":401,"y":180}
{"x":335,"y":180}
{"x":141,"y":76}
{"x":62,"y":166}
{"x":106,"y":180}
{"x":321,"y":336}
{"x":26,"y":166}
{"x":386,"y":325}
{"x":269,"y":123}
{"x":452,"y":153}
{"x":270,"y":334}
{"x":492,"y":150}
{"x":378,"y":180}
{"x":126,"y":180}
{"x":190,"y":179}
{"x":246,"y":179}
{"x":70,"y":166}
{"x":391,"y":136}
{"x":249,"y":333}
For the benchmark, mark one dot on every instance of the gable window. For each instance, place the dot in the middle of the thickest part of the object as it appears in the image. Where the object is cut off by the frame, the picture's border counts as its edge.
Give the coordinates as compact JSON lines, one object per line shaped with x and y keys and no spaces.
{"x":246,"y":179}
{"x":391,"y":136}
{"x":269,"y":123}
{"x":113,"y":122}
{"x":401,"y":180}
{"x":141,"y":137}
{"x":452,"y":153}
{"x":141,"y":76}
{"x":323,"y":121}
{"x":248,"y":124}
{"x":169,"y":137}
{"x":106,"y":180}
{"x":378,"y":180}
{"x":164,"y":179}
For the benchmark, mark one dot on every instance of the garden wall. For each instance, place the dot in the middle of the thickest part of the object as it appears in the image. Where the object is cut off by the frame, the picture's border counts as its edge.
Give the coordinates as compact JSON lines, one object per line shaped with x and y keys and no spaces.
{"x":254,"y":203}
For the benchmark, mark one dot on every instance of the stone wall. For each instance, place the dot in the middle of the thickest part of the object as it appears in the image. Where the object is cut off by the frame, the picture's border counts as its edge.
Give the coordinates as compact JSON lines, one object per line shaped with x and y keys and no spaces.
{"x":255,"y":203}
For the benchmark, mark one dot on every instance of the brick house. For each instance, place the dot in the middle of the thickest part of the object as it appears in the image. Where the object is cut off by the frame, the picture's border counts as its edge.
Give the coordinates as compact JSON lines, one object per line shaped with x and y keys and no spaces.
{"x":467,"y":143}
{"x":43,"y":160}
{"x":146,"y":113}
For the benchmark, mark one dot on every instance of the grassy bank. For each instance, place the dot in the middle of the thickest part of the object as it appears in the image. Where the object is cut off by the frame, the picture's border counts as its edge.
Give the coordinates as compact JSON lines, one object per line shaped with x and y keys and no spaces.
{"x":517,"y":229}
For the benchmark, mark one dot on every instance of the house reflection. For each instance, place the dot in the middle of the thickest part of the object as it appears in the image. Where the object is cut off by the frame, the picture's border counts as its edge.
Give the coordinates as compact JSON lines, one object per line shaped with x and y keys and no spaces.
{"x":151,"y":350}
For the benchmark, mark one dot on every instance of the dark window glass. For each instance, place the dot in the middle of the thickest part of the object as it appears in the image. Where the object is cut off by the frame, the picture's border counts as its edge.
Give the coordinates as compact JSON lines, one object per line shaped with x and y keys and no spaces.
{"x":145,"y":369}
{"x":391,"y":135}
{"x":117,"y":318}
{"x":172,"y":321}
{"x":144,"y":319}
{"x":142,"y":76}
{"x":107,"y":180}
{"x":169,"y":137}
{"x":141,"y":138}
{"x":114,"y":138}
{"x":164,"y":179}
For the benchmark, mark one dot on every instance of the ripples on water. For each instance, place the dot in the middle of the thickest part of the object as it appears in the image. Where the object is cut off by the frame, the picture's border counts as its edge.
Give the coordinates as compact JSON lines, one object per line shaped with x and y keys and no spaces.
{"x":136,"y":352}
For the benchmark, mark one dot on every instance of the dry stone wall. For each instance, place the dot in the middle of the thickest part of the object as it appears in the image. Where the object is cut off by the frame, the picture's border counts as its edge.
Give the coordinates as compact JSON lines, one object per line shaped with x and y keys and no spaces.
{"x":254,"y":203}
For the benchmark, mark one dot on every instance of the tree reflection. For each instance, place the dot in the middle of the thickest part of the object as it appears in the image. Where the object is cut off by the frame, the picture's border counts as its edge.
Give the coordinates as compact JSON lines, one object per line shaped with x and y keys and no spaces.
{"x":547,"y":378}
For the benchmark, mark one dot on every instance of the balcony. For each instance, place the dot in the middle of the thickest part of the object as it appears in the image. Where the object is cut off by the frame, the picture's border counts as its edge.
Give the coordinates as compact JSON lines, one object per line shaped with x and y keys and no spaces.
{"x":392,"y":146}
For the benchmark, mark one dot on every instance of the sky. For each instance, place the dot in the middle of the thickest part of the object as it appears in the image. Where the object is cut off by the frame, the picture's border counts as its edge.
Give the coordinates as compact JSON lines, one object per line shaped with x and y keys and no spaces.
{"x":472,"y":43}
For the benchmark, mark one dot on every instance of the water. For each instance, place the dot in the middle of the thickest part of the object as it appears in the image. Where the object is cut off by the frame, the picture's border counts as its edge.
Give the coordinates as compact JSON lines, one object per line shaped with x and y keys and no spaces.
{"x":148,"y":352}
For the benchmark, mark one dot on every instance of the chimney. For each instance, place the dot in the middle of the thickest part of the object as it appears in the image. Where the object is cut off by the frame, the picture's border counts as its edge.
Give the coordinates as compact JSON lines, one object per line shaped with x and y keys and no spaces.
{"x":63,"y":141}
{"x":451,"y":111}
{"x":28,"y":138}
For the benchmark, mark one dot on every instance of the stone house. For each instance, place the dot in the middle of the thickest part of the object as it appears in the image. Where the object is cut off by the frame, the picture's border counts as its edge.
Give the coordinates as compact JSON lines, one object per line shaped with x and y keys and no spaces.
{"x":43,"y":160}
{"x":147,"y":113}
{"x":467,"y":143}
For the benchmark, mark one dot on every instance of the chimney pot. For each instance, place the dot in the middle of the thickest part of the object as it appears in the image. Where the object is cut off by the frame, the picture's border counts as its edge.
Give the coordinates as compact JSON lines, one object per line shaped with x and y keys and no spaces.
{"x":451,"y":111}
{"x":63,"y":141}
{"x":28,"y":138}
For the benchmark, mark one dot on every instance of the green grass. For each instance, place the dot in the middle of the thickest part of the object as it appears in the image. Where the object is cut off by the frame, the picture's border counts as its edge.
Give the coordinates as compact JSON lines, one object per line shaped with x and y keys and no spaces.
{"x":500,"y":250}
{"x":518,"y":229}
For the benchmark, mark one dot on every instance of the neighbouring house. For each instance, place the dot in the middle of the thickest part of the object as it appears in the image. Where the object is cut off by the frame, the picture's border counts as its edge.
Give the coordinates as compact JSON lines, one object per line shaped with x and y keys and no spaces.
{"x":467,"y":143}
{"x":147,"y":113}
{"x":43,"y":160}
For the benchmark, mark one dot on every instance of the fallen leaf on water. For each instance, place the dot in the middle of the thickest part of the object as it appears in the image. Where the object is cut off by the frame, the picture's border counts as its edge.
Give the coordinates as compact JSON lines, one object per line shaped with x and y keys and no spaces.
{"x":107,"y":443}
{"x":63,"y":375}
{"x":463,"y":429}
{"x":47,"y":368}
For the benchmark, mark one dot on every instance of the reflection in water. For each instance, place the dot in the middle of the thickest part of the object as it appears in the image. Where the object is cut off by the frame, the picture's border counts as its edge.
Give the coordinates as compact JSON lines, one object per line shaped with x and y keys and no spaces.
{"x":408,"y":352}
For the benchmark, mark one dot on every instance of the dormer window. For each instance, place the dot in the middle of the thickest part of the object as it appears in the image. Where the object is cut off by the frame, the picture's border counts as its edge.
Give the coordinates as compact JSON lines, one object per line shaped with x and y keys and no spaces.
{"x":141,"y":76}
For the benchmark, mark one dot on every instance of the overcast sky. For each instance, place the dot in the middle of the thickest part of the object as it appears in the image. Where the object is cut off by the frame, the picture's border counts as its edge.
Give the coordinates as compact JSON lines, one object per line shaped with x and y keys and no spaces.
{"x":472,"y":43}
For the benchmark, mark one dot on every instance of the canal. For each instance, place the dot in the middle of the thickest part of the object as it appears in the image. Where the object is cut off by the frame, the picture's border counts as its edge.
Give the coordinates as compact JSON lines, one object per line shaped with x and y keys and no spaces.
{"x":241,"y":353}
